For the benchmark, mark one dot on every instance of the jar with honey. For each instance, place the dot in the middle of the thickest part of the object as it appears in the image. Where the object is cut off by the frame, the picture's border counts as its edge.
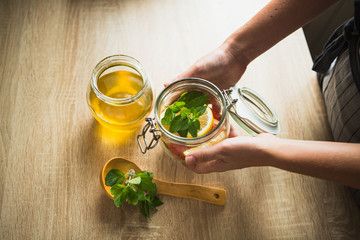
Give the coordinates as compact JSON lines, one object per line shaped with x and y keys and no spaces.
{"x":120,"y":95}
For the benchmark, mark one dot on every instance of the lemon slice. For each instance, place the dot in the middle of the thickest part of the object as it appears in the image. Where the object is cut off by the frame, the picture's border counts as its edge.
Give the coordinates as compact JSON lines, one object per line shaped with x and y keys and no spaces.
{"x":206,"y":123}
{"x":210,"y":143}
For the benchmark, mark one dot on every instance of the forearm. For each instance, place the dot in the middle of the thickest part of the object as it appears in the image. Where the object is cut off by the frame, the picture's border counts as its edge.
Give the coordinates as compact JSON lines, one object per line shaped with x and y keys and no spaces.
{"x":275,"y":21}
{"x":339,"y":162}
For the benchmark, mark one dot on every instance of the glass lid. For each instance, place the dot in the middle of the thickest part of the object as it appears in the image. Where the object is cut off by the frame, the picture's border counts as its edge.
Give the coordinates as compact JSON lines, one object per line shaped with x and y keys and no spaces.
{"x":251,"y":111}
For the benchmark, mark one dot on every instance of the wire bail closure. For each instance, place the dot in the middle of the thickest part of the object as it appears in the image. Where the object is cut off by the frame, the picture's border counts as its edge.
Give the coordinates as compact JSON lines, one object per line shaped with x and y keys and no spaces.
{"x":150,"y":126}
{"x":230,"y":102}
{"x":252,"y":113}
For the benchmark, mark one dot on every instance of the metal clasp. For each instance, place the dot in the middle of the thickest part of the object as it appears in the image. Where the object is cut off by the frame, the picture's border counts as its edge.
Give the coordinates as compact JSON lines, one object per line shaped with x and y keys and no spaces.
{"x":232,"y":109}
{"x":230,"y":102}
{"x":150,"y":126}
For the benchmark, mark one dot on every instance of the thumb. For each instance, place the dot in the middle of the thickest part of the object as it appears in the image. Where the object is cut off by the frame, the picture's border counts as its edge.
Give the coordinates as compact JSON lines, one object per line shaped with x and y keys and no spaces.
{"x":203,"y":155}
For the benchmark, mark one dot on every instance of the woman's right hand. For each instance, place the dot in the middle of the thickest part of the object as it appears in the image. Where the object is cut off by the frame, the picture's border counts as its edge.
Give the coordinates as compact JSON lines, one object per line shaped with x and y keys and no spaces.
{"x":235,"y":152}
{"x":220,"y":67}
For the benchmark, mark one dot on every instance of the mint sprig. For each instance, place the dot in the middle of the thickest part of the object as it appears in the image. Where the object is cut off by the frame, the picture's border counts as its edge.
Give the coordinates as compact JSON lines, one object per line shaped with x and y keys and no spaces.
{"x":136,"y":189}
{"x":183,"y":115}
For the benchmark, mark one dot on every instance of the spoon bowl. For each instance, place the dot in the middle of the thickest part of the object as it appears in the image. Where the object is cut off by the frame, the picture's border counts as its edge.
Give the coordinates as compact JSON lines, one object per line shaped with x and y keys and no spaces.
{"x":203,"y":193}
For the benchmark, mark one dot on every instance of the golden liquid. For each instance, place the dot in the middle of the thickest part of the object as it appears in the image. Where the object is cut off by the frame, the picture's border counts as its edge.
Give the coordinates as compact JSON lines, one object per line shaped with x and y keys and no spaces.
{"x":118,"y":116}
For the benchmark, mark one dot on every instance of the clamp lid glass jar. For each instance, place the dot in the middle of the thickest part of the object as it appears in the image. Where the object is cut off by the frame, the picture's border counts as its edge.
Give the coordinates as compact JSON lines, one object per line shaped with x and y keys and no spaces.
{"x":120,"y":95}
{"x":232,"y":101}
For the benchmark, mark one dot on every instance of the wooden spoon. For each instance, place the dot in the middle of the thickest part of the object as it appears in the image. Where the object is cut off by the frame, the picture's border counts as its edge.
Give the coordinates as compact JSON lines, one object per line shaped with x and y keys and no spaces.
{"x":198,"y":192}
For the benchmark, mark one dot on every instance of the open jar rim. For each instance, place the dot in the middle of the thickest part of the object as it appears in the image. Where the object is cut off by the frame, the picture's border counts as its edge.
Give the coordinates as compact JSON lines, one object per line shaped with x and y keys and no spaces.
{"x":191,"y":82}
{"x":113,"y":61}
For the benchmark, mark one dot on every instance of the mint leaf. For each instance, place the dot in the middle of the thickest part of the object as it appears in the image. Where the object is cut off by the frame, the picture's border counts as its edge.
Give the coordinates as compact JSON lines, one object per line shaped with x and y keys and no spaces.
{"x":141,"y":195}
{"x":197,"y":102}
{"x":151,"y":202}
{"x":200,"y":111}
{"x":179,"y":124}
{"x":183,"y":133}
{"x":136,"y":180}
{"x":189,"y":96}
{"x":175,"y":124}
{"x":117,"y":200}
{"x":177,"y":106}
{"x":121,"y":196}
{"x":183,"y":97}
{"x":144,"y":209}
{"x":146,"y":182}
{"x":156,"y":202}
{"x":117,"y":189}
{"x":132,"y":197}
{"x":153,"y":193}
{"x":196,"y":123}
{"x":150,"y":174}
{"x":124,"y":195}
{"x":185,"y":124}
{"x":168,"y":117}
{"x":114,"y":176}
{"x":193,"y":130}
{"x":185,"y":113}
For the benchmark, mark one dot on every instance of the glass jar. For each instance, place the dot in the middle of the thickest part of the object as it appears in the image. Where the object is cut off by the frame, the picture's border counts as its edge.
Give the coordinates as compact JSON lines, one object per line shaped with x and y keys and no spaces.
{"x":120,"y":95}
{"x":247,"y":108}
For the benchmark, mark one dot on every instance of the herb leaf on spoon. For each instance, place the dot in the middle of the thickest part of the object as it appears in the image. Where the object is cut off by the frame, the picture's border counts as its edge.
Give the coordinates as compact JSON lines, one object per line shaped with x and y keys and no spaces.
{"x":136,"y":189}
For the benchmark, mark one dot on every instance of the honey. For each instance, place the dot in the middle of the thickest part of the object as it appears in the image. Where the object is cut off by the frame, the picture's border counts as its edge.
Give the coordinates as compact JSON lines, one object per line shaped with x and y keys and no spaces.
{"x":121,"y":99}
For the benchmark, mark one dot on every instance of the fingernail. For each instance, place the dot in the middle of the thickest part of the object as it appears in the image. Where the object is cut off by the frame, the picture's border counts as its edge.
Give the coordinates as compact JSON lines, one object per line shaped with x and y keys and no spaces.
{"x":190,"y":160}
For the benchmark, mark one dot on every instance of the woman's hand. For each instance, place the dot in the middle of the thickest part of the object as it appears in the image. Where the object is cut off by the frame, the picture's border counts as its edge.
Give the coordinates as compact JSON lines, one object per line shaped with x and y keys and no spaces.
{"x":236,"y":152}
{"x":339,"y":162}
{"x":220,"y":67}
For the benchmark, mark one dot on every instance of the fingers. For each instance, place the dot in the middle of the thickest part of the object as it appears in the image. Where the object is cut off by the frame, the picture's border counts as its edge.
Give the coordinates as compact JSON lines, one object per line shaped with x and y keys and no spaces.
{"x":208,"y":167}
{"x":218,"y":158}
{"x":204,"y":155}
{"x":205,"y":160}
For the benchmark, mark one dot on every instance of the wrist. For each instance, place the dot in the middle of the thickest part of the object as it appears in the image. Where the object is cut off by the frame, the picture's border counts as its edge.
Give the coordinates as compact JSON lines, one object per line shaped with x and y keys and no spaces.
{"x":242,"y":44}
{"x":267,"y":146}
{"x":233,"y":49}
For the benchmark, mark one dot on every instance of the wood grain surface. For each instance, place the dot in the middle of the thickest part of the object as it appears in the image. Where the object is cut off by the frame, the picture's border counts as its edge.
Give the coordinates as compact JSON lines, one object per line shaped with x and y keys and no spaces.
{"x":52,"y":149}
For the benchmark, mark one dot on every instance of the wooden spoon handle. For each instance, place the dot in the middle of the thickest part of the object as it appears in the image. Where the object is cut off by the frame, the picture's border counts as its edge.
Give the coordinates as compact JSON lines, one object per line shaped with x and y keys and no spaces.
{"x":207,"y":194}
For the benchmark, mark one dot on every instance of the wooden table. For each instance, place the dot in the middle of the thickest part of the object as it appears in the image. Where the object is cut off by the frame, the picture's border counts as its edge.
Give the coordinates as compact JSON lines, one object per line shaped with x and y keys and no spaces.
{"x":52,"y":149}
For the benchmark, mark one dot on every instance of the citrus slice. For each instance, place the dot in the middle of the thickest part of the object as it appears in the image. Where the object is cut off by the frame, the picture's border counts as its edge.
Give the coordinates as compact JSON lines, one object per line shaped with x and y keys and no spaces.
{"x":206,"y":123}
{"x":210,"y":143}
